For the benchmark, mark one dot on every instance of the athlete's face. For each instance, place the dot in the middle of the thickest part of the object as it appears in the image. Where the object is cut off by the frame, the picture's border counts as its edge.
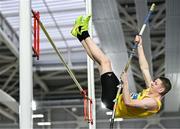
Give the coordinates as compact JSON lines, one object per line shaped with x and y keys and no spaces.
{"x":157,"y":86}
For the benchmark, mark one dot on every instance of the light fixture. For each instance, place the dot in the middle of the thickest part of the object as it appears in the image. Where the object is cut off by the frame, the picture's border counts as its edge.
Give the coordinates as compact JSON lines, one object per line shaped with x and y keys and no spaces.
{"x":33,"y":105}
{"x":74,"y":109}
{"x":37,"y":116}
{"x":117,"y":119}
{"x":43,"y":123}
{"x":109,"y":113}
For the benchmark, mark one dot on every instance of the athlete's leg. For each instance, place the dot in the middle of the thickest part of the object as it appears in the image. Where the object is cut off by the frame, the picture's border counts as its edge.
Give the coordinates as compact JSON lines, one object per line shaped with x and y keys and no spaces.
{"x":76,"y":33}
{"x":99,"y":56}
{"x":80,"y":30}
{"x":87,"y":50}
{"x":108,"y":79}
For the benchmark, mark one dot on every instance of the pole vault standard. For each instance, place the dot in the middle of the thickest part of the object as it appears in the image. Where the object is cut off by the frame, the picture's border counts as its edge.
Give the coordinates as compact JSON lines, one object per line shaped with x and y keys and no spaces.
{"x":90,"y":68}
{"x":25,"y":62}
{"x":87,"y":99}
{"x":128,"y":63}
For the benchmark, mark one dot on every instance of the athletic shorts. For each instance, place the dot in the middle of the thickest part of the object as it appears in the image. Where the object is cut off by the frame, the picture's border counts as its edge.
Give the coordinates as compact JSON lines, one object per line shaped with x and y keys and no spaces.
{"x":109,"y":82}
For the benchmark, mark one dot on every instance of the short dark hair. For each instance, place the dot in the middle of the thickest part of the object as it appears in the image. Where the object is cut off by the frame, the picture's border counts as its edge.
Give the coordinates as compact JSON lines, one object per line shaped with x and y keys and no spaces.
{"x":167,"y":85}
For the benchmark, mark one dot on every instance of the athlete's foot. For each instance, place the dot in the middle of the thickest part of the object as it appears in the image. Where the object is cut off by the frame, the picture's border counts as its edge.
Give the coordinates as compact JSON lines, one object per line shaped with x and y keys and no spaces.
{"x":75,"y":30}
{"x":85,"y":24}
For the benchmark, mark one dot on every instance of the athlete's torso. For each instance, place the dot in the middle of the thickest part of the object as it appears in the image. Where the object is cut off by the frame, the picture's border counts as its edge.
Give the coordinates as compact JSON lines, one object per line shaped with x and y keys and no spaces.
{"x":133,"y":112}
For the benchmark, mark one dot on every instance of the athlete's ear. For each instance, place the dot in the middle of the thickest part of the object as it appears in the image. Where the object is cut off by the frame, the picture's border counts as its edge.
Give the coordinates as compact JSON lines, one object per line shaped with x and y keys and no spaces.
{"x":161,"y":89}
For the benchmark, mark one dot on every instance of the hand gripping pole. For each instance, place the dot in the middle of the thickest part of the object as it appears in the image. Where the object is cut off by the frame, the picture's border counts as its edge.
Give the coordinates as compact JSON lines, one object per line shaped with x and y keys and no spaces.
{"x":128,"y":63}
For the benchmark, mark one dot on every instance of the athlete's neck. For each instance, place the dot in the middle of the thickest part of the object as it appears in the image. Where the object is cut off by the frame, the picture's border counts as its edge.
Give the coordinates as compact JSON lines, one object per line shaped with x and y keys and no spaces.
{"x":155,"y":95}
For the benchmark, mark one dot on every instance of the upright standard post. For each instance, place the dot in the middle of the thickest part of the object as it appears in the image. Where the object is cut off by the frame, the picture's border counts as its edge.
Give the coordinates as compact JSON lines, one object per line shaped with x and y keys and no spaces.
{"x":90,"y":68}
{"x":25,"y":112}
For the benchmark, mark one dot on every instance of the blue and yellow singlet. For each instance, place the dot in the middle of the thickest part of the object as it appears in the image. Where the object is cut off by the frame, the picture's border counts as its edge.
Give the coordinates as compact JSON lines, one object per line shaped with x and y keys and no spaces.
{"x":124,"y":111}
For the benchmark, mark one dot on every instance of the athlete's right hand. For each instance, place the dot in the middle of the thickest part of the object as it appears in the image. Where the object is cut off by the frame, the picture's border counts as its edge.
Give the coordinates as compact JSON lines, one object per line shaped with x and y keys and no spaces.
{"x":138,"y":40}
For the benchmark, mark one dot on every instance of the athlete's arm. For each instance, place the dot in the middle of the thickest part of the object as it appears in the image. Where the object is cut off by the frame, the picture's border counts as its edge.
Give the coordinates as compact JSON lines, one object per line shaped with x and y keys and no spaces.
{"x":143,"y":62}
{"x":147,"y":103}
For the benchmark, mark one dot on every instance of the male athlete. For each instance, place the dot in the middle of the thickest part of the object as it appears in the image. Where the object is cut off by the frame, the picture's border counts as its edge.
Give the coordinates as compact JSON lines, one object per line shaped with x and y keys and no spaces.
{"x":130,"y":105}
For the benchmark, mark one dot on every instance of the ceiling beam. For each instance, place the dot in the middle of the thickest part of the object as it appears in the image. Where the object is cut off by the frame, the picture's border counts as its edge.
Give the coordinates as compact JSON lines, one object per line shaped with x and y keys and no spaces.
{"x":158,"y":14}
{"x":7,"y":114}
{"x":10,"y":44}
{"x":9,"y":79}
{"x":64,"y":77}
{"x":7,"y":68}
{"x":156,"y":25}
{"x":74,"y":86}
{"x":44,"y":12}
{"x":50,"y":74}
{"x":11,"y":87}
{"x":6,"y":57}
{"x":10,"y":102}
{"x":40,"y":82}
{"x":127,"y":16}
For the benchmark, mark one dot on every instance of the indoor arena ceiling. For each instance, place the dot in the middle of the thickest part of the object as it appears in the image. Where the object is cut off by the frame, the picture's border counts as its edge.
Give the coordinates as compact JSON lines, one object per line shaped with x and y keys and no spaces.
{"x":51,"y":81}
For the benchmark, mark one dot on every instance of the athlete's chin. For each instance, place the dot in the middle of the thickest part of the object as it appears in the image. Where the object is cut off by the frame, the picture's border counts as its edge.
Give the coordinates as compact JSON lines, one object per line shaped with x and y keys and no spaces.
{"x":151,"y":89}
